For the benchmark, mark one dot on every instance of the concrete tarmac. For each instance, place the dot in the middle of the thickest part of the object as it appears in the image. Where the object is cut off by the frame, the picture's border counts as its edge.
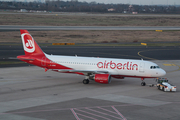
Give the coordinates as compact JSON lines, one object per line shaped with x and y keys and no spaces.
{"x":29,"y":93}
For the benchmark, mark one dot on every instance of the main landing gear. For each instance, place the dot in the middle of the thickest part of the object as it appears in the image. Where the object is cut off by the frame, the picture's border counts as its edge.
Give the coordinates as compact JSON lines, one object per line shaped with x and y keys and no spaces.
{"x":86,"y":81}
{"x":87,"y":78}
{"x":143,"y":83}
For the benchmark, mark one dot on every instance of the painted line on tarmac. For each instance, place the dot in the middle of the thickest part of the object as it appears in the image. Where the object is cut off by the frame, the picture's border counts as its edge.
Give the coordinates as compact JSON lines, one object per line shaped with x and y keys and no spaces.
{"x":49,"y":110}
{"x":150,"y":50}
{"x":74,"y":113}
{"x":92,"y":114}
{"x":86,"y":116}
{"x":99,"y":112}
{"x":169,"y":65}
{"x":145,"y":56}
{"x":174,"y":70}
{"x":103,"y":113}
{"x":139,"y":53}
{"x":119,"y":113}
{"x":106,"y":110}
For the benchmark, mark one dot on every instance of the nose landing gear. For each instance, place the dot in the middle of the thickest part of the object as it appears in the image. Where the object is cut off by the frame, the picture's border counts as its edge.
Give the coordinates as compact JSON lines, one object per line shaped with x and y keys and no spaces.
{"x":143,"y":83}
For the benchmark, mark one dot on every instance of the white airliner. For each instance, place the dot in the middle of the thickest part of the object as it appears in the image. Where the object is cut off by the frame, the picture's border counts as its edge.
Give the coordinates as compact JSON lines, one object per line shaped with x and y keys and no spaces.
{"x":98,"y":69}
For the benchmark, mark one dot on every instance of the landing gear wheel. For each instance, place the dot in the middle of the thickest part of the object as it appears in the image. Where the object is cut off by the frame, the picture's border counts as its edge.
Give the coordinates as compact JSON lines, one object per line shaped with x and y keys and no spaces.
{"x":85,"y":81}
{"x":163,"y":89}
{"x":143,"y":84}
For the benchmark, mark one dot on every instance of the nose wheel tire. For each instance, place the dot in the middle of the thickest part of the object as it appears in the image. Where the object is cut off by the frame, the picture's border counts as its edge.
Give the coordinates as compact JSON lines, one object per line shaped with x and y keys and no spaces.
{"x":143,"y":84}
{"x":85,"y":81}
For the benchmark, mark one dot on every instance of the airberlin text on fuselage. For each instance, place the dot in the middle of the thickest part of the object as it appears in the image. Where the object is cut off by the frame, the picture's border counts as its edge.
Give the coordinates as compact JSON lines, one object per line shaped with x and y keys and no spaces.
{"x":120,"y":66}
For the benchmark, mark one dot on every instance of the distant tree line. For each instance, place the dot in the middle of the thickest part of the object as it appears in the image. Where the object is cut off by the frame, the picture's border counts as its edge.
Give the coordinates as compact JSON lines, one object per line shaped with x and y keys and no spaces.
{"x":75,"y":6}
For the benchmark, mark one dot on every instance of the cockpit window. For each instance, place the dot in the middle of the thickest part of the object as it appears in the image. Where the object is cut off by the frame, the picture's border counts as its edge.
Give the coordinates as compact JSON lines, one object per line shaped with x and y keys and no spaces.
{"x":154,"y":67}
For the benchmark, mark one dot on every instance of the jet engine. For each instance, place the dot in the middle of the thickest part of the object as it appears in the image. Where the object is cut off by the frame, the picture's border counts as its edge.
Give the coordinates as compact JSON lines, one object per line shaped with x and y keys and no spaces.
{"x":102,"y":78}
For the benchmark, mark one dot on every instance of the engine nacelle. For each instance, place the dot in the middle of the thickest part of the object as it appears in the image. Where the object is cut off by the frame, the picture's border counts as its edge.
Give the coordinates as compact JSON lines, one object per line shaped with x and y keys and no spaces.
{"x":102,"y":78}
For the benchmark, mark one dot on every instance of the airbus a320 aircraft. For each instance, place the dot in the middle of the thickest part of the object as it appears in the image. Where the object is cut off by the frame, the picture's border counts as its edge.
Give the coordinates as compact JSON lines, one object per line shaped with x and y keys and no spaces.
{"x":98,"y":69}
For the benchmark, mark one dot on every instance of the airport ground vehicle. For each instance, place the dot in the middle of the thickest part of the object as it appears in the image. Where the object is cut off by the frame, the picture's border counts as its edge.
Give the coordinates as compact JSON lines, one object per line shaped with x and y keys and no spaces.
{"x":164,"y":85}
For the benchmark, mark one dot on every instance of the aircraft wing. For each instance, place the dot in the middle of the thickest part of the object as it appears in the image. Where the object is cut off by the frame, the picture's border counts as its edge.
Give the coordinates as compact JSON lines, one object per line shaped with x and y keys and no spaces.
{"x":81,"y":71}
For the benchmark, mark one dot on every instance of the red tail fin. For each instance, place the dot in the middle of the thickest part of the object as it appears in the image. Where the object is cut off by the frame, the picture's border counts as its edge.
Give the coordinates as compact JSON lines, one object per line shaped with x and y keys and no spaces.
{"x":29,"y":44}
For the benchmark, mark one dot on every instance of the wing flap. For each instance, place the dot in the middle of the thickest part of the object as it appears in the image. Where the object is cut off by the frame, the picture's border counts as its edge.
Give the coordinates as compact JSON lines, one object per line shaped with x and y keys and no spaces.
{"x":81,"y":71}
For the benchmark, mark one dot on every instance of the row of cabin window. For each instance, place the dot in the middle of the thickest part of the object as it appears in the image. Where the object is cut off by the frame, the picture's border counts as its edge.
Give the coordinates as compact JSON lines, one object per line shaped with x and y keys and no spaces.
{"x":79,"y":63}
{"x":85,"y":63}
{"x":154,"y":67}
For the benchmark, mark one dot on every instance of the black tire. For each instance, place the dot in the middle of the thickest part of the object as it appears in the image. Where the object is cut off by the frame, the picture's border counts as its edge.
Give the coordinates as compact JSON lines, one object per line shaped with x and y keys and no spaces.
{"x":163,"y":89}
{"x":143,"y":84}
{"x":85,"y":81}
{"x":159,"y":87}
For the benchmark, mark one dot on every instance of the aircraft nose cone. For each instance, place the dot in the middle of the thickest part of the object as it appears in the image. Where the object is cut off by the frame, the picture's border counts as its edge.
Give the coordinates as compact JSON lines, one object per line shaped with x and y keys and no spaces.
{"x":163,"y":72}
{"x":160,"y":73}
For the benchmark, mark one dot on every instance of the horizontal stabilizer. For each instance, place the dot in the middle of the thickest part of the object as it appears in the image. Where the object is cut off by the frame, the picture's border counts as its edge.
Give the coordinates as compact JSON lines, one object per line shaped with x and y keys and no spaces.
{"x":25,"y":59}
{"x":14,"y":58}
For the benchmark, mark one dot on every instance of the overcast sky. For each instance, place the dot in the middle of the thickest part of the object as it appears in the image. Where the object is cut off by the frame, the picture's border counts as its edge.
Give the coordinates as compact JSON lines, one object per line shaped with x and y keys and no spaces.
{"x":139,"y":2}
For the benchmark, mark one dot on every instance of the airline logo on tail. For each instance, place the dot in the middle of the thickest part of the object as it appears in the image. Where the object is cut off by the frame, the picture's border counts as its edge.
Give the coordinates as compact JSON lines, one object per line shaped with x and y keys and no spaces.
{"x":28,"y":42}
